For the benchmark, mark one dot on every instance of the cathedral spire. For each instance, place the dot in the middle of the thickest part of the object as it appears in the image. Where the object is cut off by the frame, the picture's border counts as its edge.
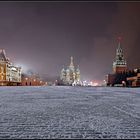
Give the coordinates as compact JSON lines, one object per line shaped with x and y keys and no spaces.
{"x":71,"y":66}
{"x":71,"y":61}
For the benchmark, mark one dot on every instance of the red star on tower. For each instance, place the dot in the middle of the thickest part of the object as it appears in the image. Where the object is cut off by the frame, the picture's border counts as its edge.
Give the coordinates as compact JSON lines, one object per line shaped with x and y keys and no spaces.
{"x":119,"y":38}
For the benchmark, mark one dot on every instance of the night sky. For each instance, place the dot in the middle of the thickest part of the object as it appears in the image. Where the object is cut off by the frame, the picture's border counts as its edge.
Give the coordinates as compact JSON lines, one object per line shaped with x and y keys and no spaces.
{"x":43,"y":35}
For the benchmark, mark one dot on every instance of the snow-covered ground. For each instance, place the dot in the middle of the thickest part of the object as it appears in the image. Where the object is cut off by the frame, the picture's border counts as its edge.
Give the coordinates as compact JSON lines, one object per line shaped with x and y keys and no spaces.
{"x":69,"y":112}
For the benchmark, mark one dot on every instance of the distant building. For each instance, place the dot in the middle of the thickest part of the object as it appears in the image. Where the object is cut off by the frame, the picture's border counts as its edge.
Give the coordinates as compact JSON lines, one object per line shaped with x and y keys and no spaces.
{"x":9,"y":74}
{"x":71,"y":75}
{"x":119,"y":66}
{"x":32,"y":80}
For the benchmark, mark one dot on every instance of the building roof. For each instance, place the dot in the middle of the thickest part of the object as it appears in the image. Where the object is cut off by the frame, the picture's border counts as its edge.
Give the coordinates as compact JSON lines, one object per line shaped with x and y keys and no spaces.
{"x":2,"y":55}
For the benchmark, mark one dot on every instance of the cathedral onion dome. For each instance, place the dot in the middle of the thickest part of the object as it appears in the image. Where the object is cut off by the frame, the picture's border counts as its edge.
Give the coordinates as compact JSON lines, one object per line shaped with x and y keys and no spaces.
{"x":71,"y":66}
{"x":68,"y":70}
{"x":71,"y":61}
{"x":78,"y":70}
{"x":63,"y":70}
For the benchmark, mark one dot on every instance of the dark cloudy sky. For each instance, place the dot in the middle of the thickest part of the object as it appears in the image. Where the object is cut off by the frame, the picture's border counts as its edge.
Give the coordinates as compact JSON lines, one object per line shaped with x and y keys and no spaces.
{"x":43,"y":35}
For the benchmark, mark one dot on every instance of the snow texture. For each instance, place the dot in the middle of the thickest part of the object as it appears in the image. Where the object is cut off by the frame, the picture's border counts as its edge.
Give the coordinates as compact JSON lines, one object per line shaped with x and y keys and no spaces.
{"x":69,"y":112}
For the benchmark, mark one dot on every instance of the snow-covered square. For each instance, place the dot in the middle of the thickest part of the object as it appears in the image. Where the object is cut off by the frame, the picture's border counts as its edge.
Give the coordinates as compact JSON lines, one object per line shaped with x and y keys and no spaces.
{"x":69,"y":112}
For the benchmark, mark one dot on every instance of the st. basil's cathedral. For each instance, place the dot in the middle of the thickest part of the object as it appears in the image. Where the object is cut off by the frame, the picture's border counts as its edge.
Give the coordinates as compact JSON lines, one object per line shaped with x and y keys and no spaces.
{"x":71,"y":75}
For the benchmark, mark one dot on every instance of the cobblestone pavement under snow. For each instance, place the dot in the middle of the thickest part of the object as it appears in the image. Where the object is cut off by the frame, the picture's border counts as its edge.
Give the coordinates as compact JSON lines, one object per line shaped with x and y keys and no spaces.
{"x":69,"y":112}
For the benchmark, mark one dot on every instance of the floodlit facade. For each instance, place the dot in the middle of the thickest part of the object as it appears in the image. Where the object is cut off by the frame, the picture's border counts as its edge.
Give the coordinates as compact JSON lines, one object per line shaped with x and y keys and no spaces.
{"x":9,"y":74}
{"x":71,"y":75}
{"x":32,"y":80}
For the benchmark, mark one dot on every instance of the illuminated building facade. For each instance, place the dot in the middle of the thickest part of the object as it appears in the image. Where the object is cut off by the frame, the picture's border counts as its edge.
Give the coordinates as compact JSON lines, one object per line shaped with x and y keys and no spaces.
{"x":32,"y":80}
{"x":71,"y":75}
{"x":9,"y":74}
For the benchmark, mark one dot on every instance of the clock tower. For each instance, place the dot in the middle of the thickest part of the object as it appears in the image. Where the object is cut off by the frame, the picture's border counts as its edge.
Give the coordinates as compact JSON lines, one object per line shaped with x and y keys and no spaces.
{"x":119,"y":65}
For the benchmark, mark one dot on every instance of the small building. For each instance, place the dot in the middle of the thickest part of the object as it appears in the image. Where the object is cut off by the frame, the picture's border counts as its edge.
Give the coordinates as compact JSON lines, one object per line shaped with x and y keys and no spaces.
{"x":9,"y":74}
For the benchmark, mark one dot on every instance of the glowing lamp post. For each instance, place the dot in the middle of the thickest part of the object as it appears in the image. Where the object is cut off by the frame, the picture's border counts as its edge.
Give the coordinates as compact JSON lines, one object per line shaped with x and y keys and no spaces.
{"x":26,"y":81}
{"x":40,"y":82}
{"x":35,"y":82}
{"x":124,"y":84}
{"x":46,"y":83}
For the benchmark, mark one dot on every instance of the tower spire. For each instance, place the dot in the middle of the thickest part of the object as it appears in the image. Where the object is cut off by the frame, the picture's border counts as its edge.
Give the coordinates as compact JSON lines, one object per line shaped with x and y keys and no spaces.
{"x":119,"y":49}
{"x":71,"y":61}
{"x":71,"y":66}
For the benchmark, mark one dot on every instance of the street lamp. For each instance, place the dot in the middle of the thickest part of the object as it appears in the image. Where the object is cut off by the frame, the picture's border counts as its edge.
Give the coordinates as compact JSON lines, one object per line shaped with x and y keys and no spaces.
{"x":124,"y":83}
